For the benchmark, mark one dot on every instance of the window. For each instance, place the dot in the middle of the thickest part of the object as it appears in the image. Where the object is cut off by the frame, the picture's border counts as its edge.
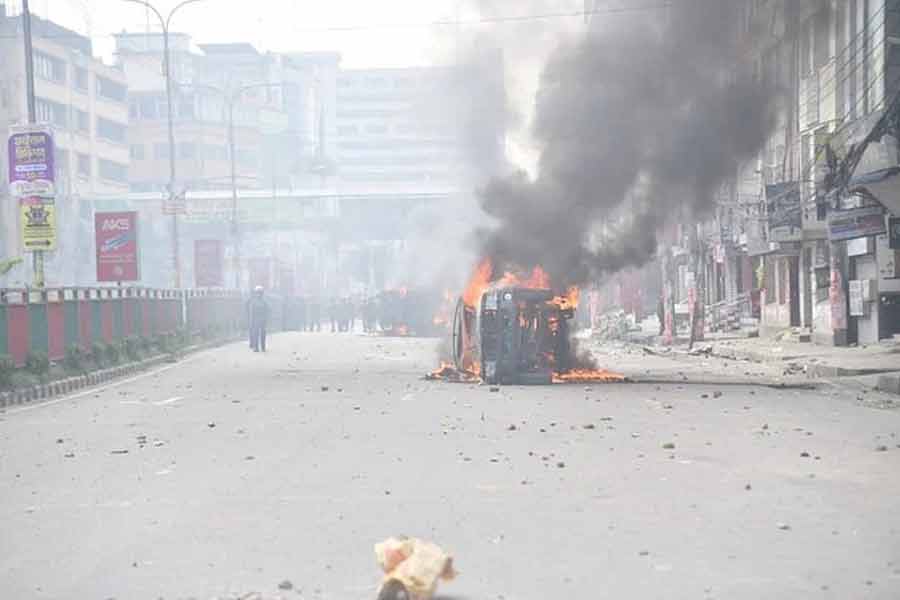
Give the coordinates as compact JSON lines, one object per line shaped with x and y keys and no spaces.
{"x":246,"y":158}
{"x":61,"y":162}
{"x":187,"y":150}
{"x":84,"y":164}
{"x":344,"y":82}
{"x":82,"y":121}
{"x":347,"y":130}
{"x":136,"y":152}
{"x":49,"y":67}
{"x":111,"y":90}
{"x":214,"y":152}
{"x":376,"y":129}
{"x":51,"y":112}
{"x":160,"y":151}
{"x":111,"y":130}
{"x":113,"y":171}
{"x":81,"y":79}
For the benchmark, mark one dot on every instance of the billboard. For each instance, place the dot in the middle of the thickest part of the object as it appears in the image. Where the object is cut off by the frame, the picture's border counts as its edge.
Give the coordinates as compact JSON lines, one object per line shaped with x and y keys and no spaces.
{"x":38,"y":222}
{"x":116,"y":237}
{"x":855,"y":223}
{"x":208,"y":260}
{"x":30,"y":152}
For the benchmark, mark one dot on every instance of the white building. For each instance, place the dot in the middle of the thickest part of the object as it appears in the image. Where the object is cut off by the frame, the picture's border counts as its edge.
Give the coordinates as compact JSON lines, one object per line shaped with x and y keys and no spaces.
{"x":86,"y":103}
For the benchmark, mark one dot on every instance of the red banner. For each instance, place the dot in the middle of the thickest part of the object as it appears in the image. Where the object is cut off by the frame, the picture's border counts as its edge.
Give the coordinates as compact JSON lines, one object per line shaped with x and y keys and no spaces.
{"x":116,"y":238}
{"x":208,"y":262}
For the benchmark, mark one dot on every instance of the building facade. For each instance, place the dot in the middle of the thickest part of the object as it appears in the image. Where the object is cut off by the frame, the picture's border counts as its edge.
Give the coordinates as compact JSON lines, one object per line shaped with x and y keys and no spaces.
{"x":85,"y":102}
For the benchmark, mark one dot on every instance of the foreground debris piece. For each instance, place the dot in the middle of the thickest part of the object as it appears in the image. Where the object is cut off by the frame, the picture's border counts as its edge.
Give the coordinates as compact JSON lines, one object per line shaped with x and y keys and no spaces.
{"x":412,"y":568}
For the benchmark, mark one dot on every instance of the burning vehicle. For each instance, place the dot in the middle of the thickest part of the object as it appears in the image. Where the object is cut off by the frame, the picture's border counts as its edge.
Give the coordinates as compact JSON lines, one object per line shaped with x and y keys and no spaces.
{"x":515,"y":330}
{"x":515,"y":335}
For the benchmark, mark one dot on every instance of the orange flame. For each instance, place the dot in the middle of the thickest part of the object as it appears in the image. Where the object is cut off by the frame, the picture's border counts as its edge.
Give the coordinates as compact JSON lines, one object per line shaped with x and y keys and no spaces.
{"x":479,"y":282}
{"x":588,"y":376}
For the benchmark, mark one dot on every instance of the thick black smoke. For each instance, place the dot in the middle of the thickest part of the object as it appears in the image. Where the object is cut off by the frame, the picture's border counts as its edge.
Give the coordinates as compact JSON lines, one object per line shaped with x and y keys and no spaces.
{"x":637,"y":125}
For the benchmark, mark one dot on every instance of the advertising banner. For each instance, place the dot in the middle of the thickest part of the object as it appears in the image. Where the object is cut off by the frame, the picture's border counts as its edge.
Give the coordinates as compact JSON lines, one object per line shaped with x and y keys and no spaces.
{"x":30,"y":152}
{"x":38,"y":221}
{"x":208,"y":263}
{"x":116,"y":236}
{"x":855,"y":223}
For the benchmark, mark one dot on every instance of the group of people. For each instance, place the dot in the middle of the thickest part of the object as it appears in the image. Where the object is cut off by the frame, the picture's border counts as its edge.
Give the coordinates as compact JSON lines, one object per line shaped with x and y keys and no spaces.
{"x":341,"y":314}
{"x":305,"y":314}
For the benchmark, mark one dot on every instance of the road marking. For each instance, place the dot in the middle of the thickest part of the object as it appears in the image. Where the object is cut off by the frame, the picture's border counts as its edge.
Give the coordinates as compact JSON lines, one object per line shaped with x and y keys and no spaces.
{"x":169,"y":401}
{"x":97,"y":390}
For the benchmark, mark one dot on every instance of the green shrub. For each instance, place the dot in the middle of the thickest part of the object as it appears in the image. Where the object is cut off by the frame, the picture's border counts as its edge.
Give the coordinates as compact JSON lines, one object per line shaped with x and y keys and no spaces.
{"x":113,"y":353}
{"x":98,"y":353}
{"x":75,"y":358}
{"x":37,"y":363}
{"x":132,"y":348}
{"x":146,"y":345}
{"x":7,"y":368}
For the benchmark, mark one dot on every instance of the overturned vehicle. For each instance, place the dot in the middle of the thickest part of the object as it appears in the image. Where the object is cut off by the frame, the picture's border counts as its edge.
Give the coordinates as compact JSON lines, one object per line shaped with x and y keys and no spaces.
{"x":513,"y":335}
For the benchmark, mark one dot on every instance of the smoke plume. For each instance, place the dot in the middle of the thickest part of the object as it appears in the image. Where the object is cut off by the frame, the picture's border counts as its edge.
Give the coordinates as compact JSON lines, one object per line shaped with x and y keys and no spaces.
{"x":637,"y":125}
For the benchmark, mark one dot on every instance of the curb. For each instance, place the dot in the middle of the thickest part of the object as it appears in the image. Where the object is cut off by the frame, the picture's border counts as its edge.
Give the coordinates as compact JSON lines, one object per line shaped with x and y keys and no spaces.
{"x":60,"y":387}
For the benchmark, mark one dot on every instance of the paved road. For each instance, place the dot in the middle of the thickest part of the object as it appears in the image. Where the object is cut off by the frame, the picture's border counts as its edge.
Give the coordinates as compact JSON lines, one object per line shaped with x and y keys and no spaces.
{"x":241,"y":472}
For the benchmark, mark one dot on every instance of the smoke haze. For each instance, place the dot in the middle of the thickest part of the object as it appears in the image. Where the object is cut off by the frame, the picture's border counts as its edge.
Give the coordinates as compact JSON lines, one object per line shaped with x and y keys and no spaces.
{"x":636,"y":124}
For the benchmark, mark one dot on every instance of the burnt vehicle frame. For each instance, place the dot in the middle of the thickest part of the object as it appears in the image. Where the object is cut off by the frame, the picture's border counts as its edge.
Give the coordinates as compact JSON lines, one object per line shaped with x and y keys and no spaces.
{"x":515,"y":335}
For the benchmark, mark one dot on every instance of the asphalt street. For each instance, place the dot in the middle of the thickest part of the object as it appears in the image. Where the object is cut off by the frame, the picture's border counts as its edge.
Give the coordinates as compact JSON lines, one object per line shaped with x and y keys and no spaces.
{"x":229,"y":473}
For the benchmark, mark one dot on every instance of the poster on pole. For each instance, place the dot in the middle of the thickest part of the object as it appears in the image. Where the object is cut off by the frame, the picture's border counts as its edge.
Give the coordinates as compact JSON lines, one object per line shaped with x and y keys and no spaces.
{"x":116,"y":237}
{"x":38,"y":222}
{"x":30,"y":155}
{"x":208,"y":263}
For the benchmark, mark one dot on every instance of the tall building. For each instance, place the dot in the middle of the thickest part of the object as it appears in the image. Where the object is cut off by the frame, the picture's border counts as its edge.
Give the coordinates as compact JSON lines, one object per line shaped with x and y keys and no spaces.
{"x":212,"y":84}
{"x":420,"y":125}
{"x":86,"y":103}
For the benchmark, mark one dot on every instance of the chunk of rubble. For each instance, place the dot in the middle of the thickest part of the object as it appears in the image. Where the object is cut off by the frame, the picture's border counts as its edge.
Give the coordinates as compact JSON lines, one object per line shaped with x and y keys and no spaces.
{"x":412,"y":568}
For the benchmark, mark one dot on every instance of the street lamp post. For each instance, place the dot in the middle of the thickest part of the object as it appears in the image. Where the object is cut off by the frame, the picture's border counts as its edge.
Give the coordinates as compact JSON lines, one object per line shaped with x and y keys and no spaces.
{"x":231,"y":97}
{"x":164,"y":23}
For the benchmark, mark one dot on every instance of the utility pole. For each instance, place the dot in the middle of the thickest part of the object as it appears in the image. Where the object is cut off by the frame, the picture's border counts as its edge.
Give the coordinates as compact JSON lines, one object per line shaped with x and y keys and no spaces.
{"x":37,"y":255}
{"x":164,"y":23}
{"x":231,"y":97}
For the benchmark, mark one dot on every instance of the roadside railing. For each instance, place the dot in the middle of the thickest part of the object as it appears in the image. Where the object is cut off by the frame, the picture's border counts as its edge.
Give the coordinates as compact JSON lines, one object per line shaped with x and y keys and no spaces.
{"x":51,"y":320}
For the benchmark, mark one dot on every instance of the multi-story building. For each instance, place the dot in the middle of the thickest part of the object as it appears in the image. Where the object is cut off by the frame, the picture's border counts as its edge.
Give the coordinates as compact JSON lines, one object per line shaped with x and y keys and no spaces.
{"x":412,"y":126}
{"x":86,"y":103}
{"x":211,"y":85}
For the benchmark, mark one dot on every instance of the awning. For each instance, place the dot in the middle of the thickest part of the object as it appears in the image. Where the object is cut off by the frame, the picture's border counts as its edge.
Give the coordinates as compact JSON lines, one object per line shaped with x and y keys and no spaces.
{"x":883,"y":184}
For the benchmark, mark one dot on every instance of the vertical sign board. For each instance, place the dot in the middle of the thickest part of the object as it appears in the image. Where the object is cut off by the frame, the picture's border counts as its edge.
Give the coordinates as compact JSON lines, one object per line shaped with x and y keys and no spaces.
{"x":38,"y":223}
{"x":116,"y":236}
{"x":32,"y":181}
{"x":30,"y":150}
{"x":208,"y":261}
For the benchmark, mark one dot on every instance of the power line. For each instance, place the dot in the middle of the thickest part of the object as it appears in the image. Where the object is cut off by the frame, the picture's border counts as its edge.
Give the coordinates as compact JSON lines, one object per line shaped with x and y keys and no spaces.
{"x":439,"y":23}
{"x":489,"y":20}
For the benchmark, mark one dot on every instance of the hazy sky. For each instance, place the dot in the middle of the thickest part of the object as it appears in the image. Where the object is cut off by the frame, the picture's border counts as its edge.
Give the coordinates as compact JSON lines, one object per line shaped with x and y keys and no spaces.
{"x":284,"y":25}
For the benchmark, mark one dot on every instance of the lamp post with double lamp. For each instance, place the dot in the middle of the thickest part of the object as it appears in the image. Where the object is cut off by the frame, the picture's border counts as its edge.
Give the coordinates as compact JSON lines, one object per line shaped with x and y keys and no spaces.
{"x":164,"y":23}
{"x":231,"y":97}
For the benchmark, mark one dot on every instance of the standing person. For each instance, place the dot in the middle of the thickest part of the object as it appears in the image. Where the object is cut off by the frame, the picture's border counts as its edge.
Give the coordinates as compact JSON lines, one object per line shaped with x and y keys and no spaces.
{"x":333,"y":316}
{"x":315,"y":314}
{"x":300,"y":310}
{"x":258,"y":315}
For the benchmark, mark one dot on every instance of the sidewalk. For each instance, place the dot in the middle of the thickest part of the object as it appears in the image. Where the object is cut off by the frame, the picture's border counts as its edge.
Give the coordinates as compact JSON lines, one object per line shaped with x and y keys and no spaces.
{"x":816,"y":360}
{"x":881,"y":360}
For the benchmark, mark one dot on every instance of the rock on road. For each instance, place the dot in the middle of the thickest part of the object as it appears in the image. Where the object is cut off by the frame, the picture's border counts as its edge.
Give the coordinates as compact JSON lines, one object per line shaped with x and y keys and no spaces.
{"x":231,"y":472}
